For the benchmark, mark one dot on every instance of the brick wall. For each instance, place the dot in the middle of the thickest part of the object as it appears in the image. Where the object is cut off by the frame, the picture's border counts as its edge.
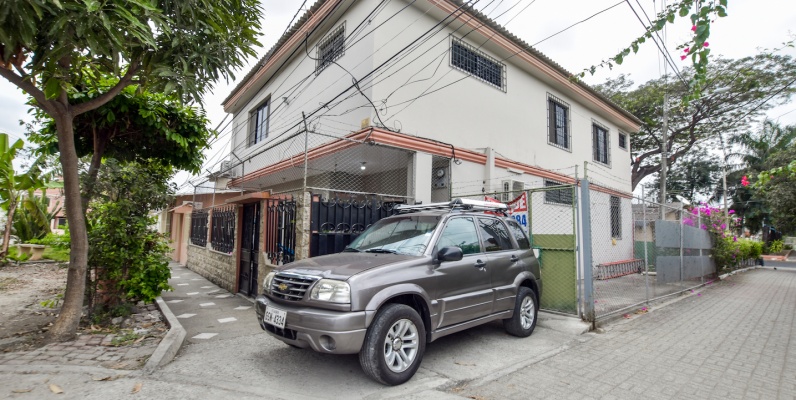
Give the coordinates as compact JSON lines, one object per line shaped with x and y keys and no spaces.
{"x":217,"y":267}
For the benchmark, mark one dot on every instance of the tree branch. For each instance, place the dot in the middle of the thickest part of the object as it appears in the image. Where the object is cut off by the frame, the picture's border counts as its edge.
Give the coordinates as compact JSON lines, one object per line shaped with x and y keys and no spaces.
{"x":30,"y":89}
{"x":100,"y":100}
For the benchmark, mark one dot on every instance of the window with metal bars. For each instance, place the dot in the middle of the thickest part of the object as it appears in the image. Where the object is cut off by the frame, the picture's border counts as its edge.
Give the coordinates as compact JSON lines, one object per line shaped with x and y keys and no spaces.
{"x":622,"y":140}
{"x":199,"y":228}
{"x":600,"y":144}
{"x":557,"y":196}
{"x":616,"y":218}
{"x":330,"y":48}
{"x":478,"y":64}
{"x":557,"y":122}
{"x":222,"y":229}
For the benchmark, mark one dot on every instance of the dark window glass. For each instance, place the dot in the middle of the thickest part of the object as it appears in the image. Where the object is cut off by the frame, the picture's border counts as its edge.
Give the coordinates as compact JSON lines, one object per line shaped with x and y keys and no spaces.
{"x":460,"y":232}
{"x":600,"y":136}
{"x":623,"y":140}
{"x":558,"y":124}
{"x":519,"y":235}
{"x":558,"y":196}
{"x":259,"y":123}
{"x":331,"y":48}
{"x":477,"y":63}
{"x":495,"y":235}
{"x":62,"y":222}
{"x":616,"y":218}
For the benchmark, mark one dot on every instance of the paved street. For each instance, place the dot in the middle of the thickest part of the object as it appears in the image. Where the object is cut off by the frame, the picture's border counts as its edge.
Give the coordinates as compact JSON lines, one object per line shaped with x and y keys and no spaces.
{"x":731,"y":341}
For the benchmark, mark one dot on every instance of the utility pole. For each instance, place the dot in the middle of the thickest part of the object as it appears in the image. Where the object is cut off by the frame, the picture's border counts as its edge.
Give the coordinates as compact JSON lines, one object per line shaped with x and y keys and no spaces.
{"x":664,"y":153}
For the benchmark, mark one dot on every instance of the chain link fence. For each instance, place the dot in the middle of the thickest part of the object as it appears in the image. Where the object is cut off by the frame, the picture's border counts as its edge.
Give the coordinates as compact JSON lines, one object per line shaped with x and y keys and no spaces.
{"x":642,"y":251}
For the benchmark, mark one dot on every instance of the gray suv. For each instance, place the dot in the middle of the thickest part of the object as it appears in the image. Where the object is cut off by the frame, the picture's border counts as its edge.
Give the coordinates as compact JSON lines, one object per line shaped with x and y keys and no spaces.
{"x":409,"y":279}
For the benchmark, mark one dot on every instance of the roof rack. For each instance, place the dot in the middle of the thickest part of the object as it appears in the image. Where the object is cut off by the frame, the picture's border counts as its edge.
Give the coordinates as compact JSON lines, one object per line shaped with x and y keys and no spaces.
{"x":456,"y":204}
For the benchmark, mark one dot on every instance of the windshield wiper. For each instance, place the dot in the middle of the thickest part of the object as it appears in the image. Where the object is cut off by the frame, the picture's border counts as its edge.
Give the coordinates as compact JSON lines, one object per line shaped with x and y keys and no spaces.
{"x":350,"y":250}
{"x":380,"y":251}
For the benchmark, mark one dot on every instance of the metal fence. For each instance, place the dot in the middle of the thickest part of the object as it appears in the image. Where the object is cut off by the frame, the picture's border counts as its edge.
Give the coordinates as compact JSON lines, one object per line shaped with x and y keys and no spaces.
{"x":280,"y":230}
{"x":222,"y":231}
{"x":640,"y":251}
{"x":199,"y":227}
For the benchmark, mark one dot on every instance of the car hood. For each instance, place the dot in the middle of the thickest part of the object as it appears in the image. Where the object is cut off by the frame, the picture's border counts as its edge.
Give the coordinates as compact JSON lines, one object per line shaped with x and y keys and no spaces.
{"x":343,"y":265}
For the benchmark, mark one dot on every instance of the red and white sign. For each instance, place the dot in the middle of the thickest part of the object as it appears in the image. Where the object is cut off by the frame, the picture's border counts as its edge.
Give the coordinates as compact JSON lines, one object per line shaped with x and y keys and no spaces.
{"x":518,"y":208}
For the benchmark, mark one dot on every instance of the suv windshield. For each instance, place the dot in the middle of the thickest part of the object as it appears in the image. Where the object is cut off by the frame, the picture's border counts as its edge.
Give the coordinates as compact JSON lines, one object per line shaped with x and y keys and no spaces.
{"x":403,"y":235}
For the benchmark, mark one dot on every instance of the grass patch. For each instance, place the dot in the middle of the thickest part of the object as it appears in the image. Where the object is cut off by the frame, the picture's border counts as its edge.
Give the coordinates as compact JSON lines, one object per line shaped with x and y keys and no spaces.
{"x":54,"y":253}
{"x":124,"y":339}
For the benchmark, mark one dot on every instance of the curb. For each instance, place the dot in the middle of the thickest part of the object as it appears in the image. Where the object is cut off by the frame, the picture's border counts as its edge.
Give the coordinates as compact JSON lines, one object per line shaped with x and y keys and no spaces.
{"x":170,"y":344}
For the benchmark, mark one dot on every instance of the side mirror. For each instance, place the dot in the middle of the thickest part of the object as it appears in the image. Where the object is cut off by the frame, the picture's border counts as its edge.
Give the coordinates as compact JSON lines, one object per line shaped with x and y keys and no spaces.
{"x":450,"y":253}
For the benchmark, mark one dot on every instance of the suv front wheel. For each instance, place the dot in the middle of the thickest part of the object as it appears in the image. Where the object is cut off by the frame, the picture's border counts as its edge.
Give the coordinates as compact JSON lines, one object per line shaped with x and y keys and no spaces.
{"x":394,"y":345}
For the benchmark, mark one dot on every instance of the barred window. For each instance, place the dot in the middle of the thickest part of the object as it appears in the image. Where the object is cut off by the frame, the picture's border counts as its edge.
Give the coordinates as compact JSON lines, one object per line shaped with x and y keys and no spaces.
{"x":330,"y":48}
{"x":557,"y":122}
{"x":616,"y":218}
{"x":222,"y":236}
{"x":478,"y":64}
{"x":623,"y":140}
{"x":199,"y":228}
{"x":600,"y":144}
{"x":557,"y":196}
{"x":259,"y":123}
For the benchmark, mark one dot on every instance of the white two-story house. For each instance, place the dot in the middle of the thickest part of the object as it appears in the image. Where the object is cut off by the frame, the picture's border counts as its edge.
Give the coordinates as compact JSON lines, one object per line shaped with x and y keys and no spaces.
{"x":384,"y":102}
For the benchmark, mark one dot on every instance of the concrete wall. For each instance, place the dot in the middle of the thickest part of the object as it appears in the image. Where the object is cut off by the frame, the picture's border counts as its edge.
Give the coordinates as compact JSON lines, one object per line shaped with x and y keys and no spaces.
{"x":218,"y":268}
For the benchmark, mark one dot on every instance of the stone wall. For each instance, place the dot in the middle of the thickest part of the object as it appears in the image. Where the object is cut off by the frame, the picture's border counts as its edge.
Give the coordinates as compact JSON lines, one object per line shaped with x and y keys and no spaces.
{"x":218,"y":268}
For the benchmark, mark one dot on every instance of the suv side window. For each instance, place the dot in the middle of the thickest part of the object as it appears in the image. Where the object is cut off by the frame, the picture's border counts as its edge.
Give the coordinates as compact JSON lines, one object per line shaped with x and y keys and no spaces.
{"x":519,"y":235}
{"x":496,"y":237}
{"x":460,"y":232}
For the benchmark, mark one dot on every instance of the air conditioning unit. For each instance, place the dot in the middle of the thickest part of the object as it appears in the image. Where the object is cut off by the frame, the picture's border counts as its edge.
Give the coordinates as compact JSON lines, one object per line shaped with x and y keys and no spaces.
{"x":227,"y":170}
{"x":511,"y":189}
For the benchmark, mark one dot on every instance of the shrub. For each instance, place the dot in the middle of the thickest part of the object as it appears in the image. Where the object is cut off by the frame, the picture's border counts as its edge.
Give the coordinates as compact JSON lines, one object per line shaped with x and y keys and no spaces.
{"x":776,"y":246}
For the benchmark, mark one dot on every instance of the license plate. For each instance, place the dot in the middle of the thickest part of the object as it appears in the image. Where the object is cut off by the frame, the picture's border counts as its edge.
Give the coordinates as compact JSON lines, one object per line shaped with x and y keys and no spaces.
{"x":275,"y":317}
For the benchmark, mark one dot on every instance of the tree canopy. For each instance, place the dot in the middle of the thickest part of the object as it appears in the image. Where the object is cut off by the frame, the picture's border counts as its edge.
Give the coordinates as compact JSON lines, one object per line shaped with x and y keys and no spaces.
{"x":737,"y":92}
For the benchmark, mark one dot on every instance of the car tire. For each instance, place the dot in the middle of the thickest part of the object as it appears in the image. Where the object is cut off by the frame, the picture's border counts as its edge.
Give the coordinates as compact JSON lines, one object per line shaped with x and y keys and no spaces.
{"x":526,"y":308}
{"x":394,"y":345}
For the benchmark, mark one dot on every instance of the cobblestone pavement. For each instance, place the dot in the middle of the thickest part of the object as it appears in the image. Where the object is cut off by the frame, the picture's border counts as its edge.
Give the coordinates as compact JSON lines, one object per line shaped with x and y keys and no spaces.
{"x":100,"y":350}
{"x":730,"y":341}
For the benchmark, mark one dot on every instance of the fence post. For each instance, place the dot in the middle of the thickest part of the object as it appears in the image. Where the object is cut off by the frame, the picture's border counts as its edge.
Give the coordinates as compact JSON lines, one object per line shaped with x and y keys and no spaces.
{"x":682,"y":234}
{"x":646,"y":244}
{"x":588,"y":282}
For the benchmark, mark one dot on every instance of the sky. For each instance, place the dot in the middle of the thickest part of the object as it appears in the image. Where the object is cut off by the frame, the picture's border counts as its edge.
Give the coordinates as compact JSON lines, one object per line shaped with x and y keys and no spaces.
{"x":751,"y":25}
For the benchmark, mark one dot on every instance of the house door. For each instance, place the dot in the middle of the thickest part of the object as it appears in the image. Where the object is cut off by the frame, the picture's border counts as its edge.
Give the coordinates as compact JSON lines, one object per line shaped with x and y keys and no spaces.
{"x":249,"y":249}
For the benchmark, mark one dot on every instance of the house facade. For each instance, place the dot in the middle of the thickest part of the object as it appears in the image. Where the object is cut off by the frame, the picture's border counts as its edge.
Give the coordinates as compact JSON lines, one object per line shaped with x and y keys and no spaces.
{"x":361,"y":106}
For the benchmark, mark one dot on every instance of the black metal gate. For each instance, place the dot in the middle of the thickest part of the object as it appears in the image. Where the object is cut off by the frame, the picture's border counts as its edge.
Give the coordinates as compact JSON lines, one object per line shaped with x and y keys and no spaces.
{"x":280,"y":230}
{"x":336,"y":222}
{"x":249,"y":249}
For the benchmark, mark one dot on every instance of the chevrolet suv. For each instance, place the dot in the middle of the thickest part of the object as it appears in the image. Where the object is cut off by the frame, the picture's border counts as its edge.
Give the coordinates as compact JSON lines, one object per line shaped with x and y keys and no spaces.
{"x":407,"y":280}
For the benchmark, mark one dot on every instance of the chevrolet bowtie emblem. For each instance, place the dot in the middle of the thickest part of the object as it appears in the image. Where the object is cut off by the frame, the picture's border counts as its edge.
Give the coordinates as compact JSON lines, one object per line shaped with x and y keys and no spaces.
{"x":282,"y":286}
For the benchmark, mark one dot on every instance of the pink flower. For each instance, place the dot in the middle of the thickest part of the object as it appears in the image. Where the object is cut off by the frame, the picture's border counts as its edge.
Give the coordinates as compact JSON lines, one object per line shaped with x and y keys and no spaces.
{"x":731,"y":211}
{"x":693,"y":28}
{"x":734,"y":239}
{"x":686,"y":50}
{"x":683,"y":57}
{"x":706,"y":44}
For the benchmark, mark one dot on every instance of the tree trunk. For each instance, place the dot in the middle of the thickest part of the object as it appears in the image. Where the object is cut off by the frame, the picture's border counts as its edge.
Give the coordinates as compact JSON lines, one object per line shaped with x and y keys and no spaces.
{"x":67,"y":322}
{"x":7,"y":234}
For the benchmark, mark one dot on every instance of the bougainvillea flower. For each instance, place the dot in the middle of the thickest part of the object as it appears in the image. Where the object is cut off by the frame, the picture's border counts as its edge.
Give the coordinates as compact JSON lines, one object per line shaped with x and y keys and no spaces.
{"x":683,"y":57}
{"x":731,"y":211}
{"x":744,"y":181}
{"x":686,"y":50}
{"x":693,"y":28}
{"x":706,"y":44}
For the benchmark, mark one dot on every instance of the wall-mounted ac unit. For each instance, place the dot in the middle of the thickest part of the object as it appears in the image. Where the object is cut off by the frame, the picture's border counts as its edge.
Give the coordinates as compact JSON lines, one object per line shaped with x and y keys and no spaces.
{"x":511,"y":189}
{"x":227,"y":170}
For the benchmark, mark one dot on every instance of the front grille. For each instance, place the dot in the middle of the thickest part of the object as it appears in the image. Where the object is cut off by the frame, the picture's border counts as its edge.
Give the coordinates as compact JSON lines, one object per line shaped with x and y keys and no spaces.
{"x":291,"y":287}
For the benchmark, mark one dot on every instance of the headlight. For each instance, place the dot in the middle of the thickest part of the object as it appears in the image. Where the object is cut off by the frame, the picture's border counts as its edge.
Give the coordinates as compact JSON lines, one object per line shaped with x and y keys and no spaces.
{"x":267,"y":282}
{"x":331,"y":291}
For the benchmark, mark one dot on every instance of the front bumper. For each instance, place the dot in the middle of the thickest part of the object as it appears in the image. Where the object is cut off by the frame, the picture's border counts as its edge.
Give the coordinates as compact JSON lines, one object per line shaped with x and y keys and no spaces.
{"x":325,"y":331}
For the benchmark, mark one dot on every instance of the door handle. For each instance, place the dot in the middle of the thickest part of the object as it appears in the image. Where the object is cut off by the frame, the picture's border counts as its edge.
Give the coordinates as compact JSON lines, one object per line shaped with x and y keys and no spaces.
{"x":479,"y":264}
{"x":514,"y":258}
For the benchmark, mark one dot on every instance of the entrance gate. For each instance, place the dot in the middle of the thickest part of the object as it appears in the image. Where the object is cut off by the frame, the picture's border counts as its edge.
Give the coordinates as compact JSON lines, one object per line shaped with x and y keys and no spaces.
{"x":249,"y":249}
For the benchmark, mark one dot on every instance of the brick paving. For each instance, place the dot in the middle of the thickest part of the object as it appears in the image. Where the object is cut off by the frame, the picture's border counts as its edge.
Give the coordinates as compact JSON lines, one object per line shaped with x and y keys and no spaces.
{"x":730,"y":341}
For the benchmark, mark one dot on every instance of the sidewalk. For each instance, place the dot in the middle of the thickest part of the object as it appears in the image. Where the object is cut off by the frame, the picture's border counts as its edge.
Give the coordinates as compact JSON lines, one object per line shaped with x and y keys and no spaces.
{"x":205,"y":311}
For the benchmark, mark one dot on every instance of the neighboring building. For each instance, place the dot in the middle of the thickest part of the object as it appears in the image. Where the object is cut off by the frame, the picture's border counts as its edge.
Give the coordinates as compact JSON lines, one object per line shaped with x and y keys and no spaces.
{"x":405,"y":102}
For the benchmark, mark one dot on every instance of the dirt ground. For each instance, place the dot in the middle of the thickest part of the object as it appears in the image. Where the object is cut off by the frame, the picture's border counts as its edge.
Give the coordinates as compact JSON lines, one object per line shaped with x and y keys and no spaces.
{"x":23,"y":319}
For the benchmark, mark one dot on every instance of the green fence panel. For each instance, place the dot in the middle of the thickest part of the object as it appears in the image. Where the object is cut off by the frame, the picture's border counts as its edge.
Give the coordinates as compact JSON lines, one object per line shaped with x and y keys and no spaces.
{"x":559,"y":272}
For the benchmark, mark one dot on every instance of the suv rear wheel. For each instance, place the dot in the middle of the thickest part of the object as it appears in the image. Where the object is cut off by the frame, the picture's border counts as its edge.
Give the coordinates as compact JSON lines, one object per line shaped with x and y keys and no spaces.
{"x":523,"y":321}
{"x":394,"y":345}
